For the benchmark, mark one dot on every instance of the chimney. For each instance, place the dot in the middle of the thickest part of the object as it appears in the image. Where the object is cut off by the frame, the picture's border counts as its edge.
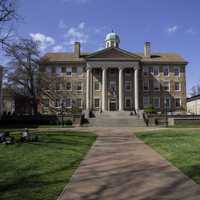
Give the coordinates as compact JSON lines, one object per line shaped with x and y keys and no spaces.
{"x":147,"y":49}
{"x":77,"y":50}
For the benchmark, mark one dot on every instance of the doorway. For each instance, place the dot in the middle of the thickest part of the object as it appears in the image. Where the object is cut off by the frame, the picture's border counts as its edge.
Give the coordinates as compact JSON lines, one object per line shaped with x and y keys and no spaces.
{"x":113,"y":105}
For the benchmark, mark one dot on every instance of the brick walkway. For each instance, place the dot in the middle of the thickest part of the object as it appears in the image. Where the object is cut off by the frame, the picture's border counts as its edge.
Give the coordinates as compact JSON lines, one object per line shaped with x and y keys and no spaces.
{"x":121,"y":167}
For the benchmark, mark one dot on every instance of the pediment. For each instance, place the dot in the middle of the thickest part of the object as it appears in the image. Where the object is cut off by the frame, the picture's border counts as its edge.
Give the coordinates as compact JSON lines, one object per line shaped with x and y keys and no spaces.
{"x":113,"y":53}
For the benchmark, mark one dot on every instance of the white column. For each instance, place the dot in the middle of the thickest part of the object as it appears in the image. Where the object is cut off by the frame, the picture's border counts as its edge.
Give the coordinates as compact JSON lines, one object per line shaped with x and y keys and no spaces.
{"x":104,"y":89}
{"x":88,"y":89}
{"x":136,"y":90}
{"x":121,"y":103}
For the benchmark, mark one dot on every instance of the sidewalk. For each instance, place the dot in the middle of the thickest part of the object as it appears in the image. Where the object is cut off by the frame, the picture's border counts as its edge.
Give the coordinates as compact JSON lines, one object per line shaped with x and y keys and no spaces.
{"x":121,"y":167}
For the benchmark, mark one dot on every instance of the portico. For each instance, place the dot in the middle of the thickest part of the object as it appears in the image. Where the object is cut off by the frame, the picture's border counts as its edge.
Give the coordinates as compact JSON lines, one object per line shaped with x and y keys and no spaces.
{"x":112,"y":80}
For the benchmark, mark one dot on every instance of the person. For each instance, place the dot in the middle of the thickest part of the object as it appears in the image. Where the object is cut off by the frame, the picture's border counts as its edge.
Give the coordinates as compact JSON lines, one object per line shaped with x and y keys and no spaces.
{"x":25,"y":135}
{"x":146,"y":118}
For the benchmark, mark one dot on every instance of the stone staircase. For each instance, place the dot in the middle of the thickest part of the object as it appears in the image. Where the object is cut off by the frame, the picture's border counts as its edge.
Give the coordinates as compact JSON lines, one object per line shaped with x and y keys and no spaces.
{"x":115,"y":119}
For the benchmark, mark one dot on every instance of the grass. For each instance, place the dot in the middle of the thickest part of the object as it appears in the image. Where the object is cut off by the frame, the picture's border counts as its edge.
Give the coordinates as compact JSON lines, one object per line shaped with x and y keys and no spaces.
{"x":40,"y":170}
{"x":180,"y":147}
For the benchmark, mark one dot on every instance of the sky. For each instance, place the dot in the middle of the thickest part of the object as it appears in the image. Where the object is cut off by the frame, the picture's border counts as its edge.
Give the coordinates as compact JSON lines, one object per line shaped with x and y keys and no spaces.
{"x":170,"y":26}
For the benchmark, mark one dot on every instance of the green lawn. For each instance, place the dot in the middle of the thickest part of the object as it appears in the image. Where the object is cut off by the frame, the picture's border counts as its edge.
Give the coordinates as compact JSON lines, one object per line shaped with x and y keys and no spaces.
{"x":180,"y":147}
{"x":40,"y":170}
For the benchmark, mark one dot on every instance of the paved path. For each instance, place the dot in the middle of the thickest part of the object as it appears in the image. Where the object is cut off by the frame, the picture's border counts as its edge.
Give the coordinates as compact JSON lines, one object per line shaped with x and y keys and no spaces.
{"x":121,"y":167}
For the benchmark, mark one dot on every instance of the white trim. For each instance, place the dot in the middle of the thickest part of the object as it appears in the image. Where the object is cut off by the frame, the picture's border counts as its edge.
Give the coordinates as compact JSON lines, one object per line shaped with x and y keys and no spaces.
{"x":69,"y":67}
{"x":168,"y":86}
{"x":76,"y":84}
{"x":155,"y":80}
{"x":81,"y":102}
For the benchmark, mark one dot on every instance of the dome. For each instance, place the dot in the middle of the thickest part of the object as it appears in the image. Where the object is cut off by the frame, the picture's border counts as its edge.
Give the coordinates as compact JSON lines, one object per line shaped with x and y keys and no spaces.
{"x":112,"y":36}
{"x":112,"y":39}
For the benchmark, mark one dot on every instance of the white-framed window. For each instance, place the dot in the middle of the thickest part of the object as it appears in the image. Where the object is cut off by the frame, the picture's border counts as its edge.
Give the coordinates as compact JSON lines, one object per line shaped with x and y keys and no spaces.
{"x":68,"y":86}
{"x":145,"y":71}
{"x":156,"y":70}
{"x":68,"y":102}
{"x":176,"y":71}
{"x":127,"y":102}
{"x":156,"y":85}
{"x":167,"y":102}
{"x":166,"y":85}
{"x":79,"y":86}
{"x":69,"y":71}
{"x":97,"y":86}
{"x":156,"y":102}
{"x":146,"y":85}
{"x":177,"y":86}
{"x":166,"y":70}
{"x":58,"y":70}
{"x":96,"y":102}
{"x":177,"y":102}
{"x":79,"y":70}
{"x":146,"y":101}
{"x":112,"y":85}
{"x":128,"y":85}
{"x":79,"y":102}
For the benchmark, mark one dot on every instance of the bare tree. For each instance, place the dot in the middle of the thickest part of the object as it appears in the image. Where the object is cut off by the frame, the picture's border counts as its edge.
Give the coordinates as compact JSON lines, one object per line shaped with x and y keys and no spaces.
{"x":23,"y":69}
{"x":195,"y":90}
{"x":7,"y":16}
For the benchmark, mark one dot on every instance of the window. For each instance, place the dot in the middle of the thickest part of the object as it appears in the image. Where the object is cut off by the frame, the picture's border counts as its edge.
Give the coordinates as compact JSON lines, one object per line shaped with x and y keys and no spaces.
{"x":69,"y":71}
{"x":156,"y":85}
{"x":57,"y":103}
{"x":176,"y":71}
{"x":167,"y":102}
{"x":128,"y":102}
{"x":156,"y":102}
{"x":146,"y":71}
{"x":166,"y":71}
{"x":177,"y":102}
{"x":79,"y":103}
{"x":146,"y":101}
{"x":96,"y":103}
{"x":68,"y":103}
{"x":112,"y":85}
{"x":79,"y":86}
{"x":156,"y":70}
{"x":177,"y":86}
{"x":97,"y":85}
{"x":69,"y":86}
{"x":166,"y":85}
{"x":58,"y":70}
{"x":146,"y":85}
{"x":127,"y":85}
{"x":79,"y":71}
{"x":46,"y":102}
{"x":151,"y":70}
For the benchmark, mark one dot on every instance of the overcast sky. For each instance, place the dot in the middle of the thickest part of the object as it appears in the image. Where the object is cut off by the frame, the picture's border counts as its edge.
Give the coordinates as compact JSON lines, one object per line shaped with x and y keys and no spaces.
{"x":170,"y":26}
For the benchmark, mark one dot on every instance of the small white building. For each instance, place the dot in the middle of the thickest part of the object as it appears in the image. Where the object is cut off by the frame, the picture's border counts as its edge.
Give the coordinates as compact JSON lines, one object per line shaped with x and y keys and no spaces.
{"x":193,"y":105}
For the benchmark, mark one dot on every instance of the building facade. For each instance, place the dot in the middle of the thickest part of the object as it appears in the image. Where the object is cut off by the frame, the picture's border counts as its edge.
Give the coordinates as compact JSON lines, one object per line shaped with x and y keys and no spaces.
{"x":114,"y":79}
{"x":193,"y":105}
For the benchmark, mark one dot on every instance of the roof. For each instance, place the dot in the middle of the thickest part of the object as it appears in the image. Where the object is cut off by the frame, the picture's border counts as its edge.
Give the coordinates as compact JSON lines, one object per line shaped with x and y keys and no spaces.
{"x":193,"y":98}
{"x":155,"y":57}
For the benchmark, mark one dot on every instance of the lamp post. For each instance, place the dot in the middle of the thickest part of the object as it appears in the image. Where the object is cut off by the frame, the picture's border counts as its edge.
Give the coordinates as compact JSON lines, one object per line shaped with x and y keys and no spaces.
{"x":62,"y":113}
{"x":165,"y":107}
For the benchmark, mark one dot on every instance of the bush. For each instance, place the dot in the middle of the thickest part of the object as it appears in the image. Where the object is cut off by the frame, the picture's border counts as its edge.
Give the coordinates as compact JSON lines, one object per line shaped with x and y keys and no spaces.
{"x":150,"y":110}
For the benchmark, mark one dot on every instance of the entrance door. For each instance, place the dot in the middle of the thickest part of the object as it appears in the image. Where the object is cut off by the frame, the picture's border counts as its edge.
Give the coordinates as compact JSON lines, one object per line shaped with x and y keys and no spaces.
{"x":113,"y":105}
